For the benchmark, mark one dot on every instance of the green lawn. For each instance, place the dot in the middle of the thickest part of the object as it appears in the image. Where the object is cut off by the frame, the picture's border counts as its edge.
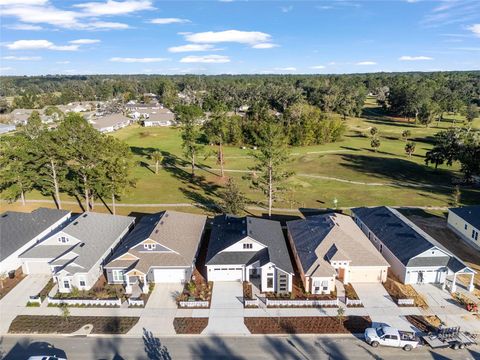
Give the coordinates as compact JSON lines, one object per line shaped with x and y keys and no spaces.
{"x":398,"y":179}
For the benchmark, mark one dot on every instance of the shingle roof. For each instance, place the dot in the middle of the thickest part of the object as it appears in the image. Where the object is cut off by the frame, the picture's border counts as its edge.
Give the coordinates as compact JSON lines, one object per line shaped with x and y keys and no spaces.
{"x":402,"y":237}
{"x":470,"y":214}
{"x":109,"y":120}
{"x":179,"y":232}
{"x":228,"y":230}
{"x":18,"y":228}
{"x":323,"y":238}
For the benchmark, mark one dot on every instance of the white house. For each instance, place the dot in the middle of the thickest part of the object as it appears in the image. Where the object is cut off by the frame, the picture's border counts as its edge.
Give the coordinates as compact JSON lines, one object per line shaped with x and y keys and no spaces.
{"x":75,"y":254}
{"x":110,"y":123}
{"x":414,"y":256}
{"x":465,"y":221}
{"x":249,"y":249}
{"x":20,"y":231}
{"x":330,"y":246}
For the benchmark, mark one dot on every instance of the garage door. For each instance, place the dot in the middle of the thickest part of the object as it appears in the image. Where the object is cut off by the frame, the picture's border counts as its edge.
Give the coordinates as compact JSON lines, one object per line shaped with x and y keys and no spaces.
{"x":225,"y":274}
{"x":365,"y":275}
{"x":36,"y":267}
{"x":427,"y":277}
{"x":169,"y":275}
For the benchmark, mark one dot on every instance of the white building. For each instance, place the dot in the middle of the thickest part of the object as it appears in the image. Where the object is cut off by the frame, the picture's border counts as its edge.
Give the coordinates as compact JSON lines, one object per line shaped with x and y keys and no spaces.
{"x":465,"y":221}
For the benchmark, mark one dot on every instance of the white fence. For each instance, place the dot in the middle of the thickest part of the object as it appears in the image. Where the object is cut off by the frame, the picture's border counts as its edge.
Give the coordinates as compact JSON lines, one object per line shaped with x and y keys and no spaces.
{"x":350,"y":302}
{"x":193,"y":304}
{"x":406,"y":302}
{"x":35,"y":300}
{"x":135,"y":302}
{"x":251,"y":302}
{"x":85,"y":302}
{"x":302,"y":303}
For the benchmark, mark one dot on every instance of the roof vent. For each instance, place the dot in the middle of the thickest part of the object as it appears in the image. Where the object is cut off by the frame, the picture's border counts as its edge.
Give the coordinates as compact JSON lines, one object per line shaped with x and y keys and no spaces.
{"x":82,"y":244}
{"x":243,"y":232}
{"x":84,"y":215}
{"x":161,"y":223}
{"x":75,"y":223}
{"x":4,"y":215}
{"x":166,"y":214}
{"x":156,"y":231}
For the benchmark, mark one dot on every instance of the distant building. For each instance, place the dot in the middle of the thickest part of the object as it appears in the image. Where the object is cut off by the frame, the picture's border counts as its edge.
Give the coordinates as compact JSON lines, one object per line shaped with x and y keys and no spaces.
{"x":5,"y":128}
{"x":110,"y":123}
{"x":159,"y":117}
{"x":465,"y":221}
{"x":20,"y":116}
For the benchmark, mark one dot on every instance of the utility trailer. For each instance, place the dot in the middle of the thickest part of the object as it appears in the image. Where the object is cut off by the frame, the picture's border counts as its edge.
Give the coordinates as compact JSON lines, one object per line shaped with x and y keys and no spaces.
{"x":450,"y":338}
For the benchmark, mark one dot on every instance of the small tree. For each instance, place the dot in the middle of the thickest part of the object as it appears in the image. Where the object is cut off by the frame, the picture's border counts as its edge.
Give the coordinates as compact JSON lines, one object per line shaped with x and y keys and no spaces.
{"x":456,"y":196}
{"x":157,"y":157}
{"x":410,"y":148}
{"x":373,"y":131}
{"x":233,"y":200}
{"x":406,"y":135}
{"x":64,"y":312}
{"x":471,"y":112}
{"x":375,"y":144}
{"x":340,"y":314}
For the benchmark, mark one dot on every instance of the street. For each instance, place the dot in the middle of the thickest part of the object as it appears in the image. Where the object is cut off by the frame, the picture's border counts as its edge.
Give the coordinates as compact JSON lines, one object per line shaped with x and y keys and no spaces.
{"x":298,"y":347}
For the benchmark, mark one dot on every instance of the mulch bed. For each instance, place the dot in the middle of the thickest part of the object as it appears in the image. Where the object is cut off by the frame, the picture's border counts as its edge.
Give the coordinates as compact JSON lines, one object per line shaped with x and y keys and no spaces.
{"x":422,"y":323}
{"x":46,"y":289}
{"x":307,"y":325}
{"x":189,"y":325}
{"x":37,"y":324}
{"x":247,"y":290}
{"x":8,"y":284}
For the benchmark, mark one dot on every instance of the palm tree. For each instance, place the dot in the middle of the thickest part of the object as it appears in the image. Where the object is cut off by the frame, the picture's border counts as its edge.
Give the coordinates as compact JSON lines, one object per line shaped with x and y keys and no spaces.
{"x":158,"y":158}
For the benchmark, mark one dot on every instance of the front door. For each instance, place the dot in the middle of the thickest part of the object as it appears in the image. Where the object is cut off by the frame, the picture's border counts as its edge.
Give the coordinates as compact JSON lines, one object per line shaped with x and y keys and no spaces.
{"x":341,"y":274}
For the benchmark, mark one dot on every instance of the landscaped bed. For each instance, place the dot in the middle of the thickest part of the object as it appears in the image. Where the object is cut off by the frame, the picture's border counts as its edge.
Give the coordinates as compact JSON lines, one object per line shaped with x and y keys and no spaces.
{"x":37,"y":324}
{"x":46,"y":289}
{"x":397,"y":291}
{"x":8,"y":283}
{"x":425,"y":324}
{"x":307,"y":325}
{"x":190,"y":325}
{"x":198,"y":289}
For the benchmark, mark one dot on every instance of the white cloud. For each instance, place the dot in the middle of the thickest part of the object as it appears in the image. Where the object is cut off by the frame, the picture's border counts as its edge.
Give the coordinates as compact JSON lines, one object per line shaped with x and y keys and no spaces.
{"x":475,"y":28}
{"x":6,"y":68}
{"x":84,"y":41}
{"x":318,"y":67}
{"x":105,"y":25}
{"x":209,"y":59}
{"x":111,"y":7}
{"x":237,"y":36}
{"x":137,"y":60}
{"x":64,"y":62}
{"x":286,"y":9}
{"x":414,"y":58}
{"x":288,"y":68}
{"x":22,"y":58}
{"x":191,"y":47}
{"x":39,"y":44}
{"x":23,"y":2}
{"x":26,"y":27}
{"x":166,"y":21}
{"x":264,"y":46}
{"x":366,"y":63}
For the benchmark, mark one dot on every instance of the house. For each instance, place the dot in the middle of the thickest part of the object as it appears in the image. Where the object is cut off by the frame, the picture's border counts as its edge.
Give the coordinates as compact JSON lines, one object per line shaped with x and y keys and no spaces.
{"x":20,"y":231}
{"x":332,"y":246}
{"x":465,"y":221}
{"x":6,"y":128}
{"x":110,"y":123}
{"x":414,"y":256}
{"x":20,"y":116}
{"x":162,"y":248}
{"x":249,"y":249}
{"x":74,"y":254}
{"x":159,"y":117}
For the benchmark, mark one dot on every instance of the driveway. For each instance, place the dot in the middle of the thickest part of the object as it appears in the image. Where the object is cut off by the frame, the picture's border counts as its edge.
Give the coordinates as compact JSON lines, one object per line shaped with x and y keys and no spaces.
{"x":14,"y":302}
{"x":226,"y":309}
{"x":164,"y":295}
{"x":374,"y":295}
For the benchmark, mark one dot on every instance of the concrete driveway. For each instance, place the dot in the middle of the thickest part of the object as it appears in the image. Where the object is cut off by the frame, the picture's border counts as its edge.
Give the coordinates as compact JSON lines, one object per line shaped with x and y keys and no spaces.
{"x":226,"y":310}
{"x":374,"y":295}
{"x":164,"y":295}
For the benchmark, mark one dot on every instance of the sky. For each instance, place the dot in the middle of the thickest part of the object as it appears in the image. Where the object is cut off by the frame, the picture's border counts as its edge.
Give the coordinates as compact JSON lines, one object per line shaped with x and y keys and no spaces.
{"x":39,"y":37}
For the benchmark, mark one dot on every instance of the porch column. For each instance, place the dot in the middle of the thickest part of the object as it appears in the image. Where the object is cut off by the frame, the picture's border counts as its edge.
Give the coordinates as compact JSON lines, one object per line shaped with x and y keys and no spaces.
{"x":128,"y":288}
{"x":470,"y":286}
{"x":145,"y":285}
{"x":247,"y":273}
{"x":454,"y":283}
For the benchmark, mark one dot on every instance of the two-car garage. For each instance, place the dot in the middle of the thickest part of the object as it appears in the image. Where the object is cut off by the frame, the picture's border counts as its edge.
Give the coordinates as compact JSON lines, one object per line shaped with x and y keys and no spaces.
{"x":370,"y":274}
{"x":170,"y":275}
{"x":224,"y":273}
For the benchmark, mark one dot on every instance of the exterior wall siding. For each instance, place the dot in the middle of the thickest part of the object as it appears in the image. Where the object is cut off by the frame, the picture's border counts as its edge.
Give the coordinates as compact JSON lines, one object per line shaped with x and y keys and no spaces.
{"x":457,"y":224}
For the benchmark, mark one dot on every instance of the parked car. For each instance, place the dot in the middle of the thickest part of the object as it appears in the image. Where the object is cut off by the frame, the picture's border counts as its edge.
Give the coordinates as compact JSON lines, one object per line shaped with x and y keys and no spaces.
{"x":389,"y":336}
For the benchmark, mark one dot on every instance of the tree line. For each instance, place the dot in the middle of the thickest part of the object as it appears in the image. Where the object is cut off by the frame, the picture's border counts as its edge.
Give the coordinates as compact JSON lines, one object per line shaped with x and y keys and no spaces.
{"x":73,"y":158}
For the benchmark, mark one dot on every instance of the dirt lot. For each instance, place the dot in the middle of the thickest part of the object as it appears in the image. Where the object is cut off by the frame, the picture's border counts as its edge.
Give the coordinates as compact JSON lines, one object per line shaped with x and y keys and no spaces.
{"x":436,"y":227}
{"x":307,"y":325}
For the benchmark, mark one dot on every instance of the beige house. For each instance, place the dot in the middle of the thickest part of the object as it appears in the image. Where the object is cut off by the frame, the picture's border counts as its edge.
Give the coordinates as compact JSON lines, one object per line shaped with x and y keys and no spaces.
{"x":331,"y":246}
{"x":465,"y":221}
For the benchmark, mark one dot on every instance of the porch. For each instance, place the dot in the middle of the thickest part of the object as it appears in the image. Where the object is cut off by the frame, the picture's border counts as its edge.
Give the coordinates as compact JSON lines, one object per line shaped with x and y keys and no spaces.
{"x":135,"y":283}
{"x":452,"y":282}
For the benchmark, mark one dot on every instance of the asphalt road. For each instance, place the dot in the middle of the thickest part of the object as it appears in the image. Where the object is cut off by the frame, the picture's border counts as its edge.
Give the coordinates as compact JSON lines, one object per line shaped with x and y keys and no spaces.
{"x":301,"y":347}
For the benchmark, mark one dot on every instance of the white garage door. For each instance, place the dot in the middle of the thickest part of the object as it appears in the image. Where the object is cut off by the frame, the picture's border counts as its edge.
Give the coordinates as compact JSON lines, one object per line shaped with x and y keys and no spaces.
{"x":36,"y":267}
{"x":365,"y":275}
{"x":169,"y":275}
{"x":427,"y":277}
{"x":225,"y":274}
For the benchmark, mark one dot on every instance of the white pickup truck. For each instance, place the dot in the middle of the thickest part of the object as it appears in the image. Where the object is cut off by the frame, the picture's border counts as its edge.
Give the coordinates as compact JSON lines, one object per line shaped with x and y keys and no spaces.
{"x":388,"y":336}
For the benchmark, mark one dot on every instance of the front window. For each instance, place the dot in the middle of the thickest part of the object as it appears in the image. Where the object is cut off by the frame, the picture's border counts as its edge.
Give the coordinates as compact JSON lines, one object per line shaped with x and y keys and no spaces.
{"x":66,"y":284}
{"x":82,"y":282}
{"x":270,"y":281}
{"x":117,"y":275}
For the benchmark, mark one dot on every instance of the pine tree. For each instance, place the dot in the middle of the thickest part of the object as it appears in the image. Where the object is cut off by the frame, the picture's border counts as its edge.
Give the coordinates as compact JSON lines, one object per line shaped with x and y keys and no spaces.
{"x":233,"y":200}
{"x":216,"y":131}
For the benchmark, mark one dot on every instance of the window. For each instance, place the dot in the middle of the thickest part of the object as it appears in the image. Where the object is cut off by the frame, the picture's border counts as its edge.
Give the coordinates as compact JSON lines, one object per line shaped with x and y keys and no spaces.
{"x":248,"y":246}
{"x":117,"y":275}
{"x":82,"y":282}
{"x":66,"y":284}
{"x":325,"y":285}
{"x":466,"y":226}
{"x":63,"y":239}
{"x":474,"y":235}
{"x":269,"y":280}
{"x":149,"y":246}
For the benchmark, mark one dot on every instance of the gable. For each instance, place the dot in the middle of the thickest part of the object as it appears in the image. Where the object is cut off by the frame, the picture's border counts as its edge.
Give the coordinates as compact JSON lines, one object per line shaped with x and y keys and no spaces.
{"x":127,"y":256}
{"x":433,"y":252}
{"x":56,"y":239}
{"x":239,"y":245}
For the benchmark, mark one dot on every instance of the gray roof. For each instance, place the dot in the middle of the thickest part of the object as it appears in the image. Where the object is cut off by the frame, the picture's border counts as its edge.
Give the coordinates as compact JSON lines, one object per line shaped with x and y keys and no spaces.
{"x":228,"y":230}
{"x":47,"y":251}
{"x":109,"y":120}
{"x":96,"y":233}
{"x":402,"y":237}
{"x":18,"y":228}
{"x":470,"y":214}
{"x":429,"y":261}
